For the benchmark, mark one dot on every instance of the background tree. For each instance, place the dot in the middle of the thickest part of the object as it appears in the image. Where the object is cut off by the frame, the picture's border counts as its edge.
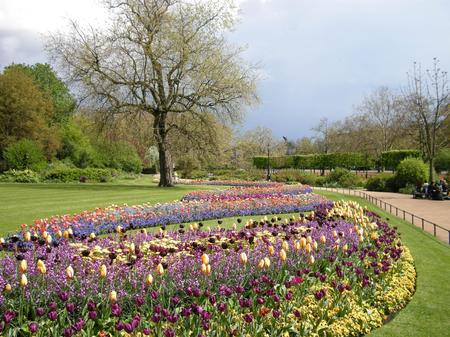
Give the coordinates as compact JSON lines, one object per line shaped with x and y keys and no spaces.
{"x":428,"y":98}
{"x":50,"y":85}
{"x":163,"y":58}
{"x":25,"y":112}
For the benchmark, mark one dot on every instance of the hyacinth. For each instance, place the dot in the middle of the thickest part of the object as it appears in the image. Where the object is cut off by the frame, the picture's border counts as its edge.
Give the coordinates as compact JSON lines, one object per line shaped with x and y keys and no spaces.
{"x":275,"y":275}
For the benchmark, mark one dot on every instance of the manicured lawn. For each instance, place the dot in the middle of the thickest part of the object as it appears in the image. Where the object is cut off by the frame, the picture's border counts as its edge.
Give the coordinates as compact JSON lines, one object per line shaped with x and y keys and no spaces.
{"x":22,"y":203}
{"x":428,"y":313}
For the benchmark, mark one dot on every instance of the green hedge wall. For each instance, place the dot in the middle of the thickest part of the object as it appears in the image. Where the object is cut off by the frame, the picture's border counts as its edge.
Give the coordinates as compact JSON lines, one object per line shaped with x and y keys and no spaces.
{"x":316,"y":161}
{"x":390,"y":159}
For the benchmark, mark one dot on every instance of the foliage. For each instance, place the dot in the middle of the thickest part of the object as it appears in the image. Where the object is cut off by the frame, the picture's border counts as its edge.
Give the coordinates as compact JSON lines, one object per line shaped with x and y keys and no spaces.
{"x":75,"y":145}
{"x":343,"y":178}
{"x":118,"y":155}
{"x":391,"y":159}
{"x":316,"y":161}
{"x":383,"y":182}
{"x":48,"y":82}
{"x":68,"y":174}
{"x":25,"y":112}
{"x":20,"y":176}
{"x":442,"y":161}
{"x":24,"y":154}
{"x":408,"y":189}
{"x":411,"y":171}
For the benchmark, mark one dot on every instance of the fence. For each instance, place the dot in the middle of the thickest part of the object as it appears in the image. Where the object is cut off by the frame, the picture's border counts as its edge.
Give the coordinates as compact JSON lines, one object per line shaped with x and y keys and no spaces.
{"x":426,"y":225}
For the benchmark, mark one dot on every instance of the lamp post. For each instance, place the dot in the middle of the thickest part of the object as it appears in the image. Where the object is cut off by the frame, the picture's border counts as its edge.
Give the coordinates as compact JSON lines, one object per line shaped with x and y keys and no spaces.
{"x":268,"y":162}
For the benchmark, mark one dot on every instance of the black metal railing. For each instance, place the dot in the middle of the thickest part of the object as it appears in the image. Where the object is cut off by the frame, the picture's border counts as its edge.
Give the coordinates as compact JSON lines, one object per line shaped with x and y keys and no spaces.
{"x":414,"y":219}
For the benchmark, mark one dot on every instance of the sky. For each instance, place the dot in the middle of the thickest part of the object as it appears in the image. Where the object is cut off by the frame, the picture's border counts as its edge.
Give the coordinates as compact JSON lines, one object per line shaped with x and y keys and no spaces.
{"x":318,"y":58}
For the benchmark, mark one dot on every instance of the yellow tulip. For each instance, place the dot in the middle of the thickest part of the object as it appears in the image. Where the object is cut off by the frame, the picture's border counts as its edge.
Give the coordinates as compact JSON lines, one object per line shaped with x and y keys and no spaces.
{"x":48,"y":239}
{"x":23,"y":280}
{"x":205,"y":259}
{"x":70,"y":231}
{"x":285,"y":245}
{"x":8,"y":288}
{"x":160,"y":269}
{"x":261,"y":264}
{"x":27,"y":236}
{"x":2,"y":240}
{"x":66,"y":234}
{"x":297,"y":246}
{"x":59,"y":234}
{"x":206,"y":269}
{"x":345,"y":248}
{"x":335,"y":234}
{"x":103,"y":271}
{"x":271,"y":250}
{"x":92,"y":235}
{"x":302,"y":242}
{"x":283,"y":255}
{"x":315,"y":245}
{"x":323,"y":239}
{"x":70,"y":272}
{"x":243,"y":258}
{"x":311,"y":259}
{"x":41,"y":267}
{"x":308,"y":248}
{"x":23,"y":266}
{"x":119,"y":229}
{"x":266,"y":262}
{"x":309,"y":239}
{"x":113,"y":296}
{"x":149,"y":279}
{"x":44,"y":234}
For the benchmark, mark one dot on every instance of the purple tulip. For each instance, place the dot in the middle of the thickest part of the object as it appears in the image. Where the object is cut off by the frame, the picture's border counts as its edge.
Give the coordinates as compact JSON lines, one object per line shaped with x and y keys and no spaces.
{"x":93,"y":315}
{"x":33,"y":327}
{"x":40,"y":312}
{"x":52,"y":315}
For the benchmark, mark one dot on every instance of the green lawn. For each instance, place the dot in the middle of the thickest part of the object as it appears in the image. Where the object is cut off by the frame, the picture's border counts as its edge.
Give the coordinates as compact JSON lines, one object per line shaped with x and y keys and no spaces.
{"x":22,"y":203}
{"x":428,"y":313}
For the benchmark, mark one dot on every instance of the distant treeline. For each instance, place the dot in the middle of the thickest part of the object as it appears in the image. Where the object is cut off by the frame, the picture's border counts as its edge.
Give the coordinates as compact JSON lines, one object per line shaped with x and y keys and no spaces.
{"x":327,"y":161}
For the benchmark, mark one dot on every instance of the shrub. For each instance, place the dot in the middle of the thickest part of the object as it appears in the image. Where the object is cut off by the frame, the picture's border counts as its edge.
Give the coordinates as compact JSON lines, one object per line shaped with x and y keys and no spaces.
{"x":382,"y":182}
{"x":442,"y":160}
{"x":408,"y":189}
{"x":411,"y":171}
{"x":18,"y":176}
{"x":391,"y":159}
{"x":343,"y":178}
{"x":24,"y":154}
{"x":68,"y":174}
{"x":118,"y":155}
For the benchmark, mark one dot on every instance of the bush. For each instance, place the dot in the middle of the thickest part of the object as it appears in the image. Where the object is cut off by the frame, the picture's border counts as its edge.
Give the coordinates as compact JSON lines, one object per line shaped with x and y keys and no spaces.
{"x":391,"y":159}
{"x":383,"y":182}
{"x":343,"y":178}
{"x":118,"y":155}
{"x":17,"y":176}
{"x":408,"y":189}
{"x":411,"y":171}
{"x":24,"y":154}
{"x":68,"y":174}
{"x":442,"y":160}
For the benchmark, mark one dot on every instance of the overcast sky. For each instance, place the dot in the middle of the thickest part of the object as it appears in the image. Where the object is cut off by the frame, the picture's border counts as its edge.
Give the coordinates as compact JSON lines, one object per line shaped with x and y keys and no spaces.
{"x":318,"y":57}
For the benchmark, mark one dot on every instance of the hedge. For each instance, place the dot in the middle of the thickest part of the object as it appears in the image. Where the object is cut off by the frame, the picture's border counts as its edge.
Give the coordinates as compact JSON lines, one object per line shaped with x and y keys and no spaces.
{"x":65,"y":175}
{"x":390,"y":159}
{"x":317,"y":161}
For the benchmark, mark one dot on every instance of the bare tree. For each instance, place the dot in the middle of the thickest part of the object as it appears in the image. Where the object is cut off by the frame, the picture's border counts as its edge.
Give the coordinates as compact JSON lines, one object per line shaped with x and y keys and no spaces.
{"x":163,"y":58}
{"x":428,"y":98}
{"x":382,"y":113}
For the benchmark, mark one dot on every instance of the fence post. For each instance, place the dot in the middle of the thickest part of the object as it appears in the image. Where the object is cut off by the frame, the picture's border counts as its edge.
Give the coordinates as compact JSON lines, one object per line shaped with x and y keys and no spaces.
{"x":449,"y":237}
{"x":390,"y":208}
{"x":434,"y":228}
{"x":412,"y":218}
{"x":423,"y":226}
{"x":396,"y":211}
{"x":403,"y":214}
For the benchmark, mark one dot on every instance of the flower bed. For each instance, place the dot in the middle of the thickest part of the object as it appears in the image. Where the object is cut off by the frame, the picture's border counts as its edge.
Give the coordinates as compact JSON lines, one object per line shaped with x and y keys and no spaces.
{"x":106,"y":220}
{"x":238,"y":193}
{"x":338,"y":272}
{"x":243,"y":183}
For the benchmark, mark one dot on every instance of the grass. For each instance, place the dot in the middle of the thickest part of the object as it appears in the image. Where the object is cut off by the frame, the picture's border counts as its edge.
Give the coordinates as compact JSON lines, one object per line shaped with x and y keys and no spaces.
{"x":22,"y":203}
{"x":426,"y":315}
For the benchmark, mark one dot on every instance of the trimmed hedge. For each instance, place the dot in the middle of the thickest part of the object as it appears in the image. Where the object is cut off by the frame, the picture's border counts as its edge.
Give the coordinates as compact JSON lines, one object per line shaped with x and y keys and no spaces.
{"x":390,"y":159}
{"x":65,"y":175}
{"x":321,"y":161}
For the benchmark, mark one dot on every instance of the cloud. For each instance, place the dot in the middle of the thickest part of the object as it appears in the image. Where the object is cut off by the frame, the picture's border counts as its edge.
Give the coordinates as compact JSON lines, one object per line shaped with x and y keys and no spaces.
{"x":20,"y":46}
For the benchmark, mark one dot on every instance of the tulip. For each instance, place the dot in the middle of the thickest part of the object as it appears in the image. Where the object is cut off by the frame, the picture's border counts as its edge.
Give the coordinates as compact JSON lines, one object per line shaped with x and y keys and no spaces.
{"x":261,"y":264}
{"x":8,"y":288}
{"x":103,"y":271}
{"x":335,"y":234}
{"x":345,"y":248}
{"x":266,"y":262}
{"x":44,"y":234}
{"x":70,"y":231}
{"x":285,"y":246}
{"x":23,"y":280}
{"x":315,"y":245}
{"x":206,"y":269}
{"x":297,"y":246}
{"x":2,"y":240}
{"x":160,"y":269}
{"x":23,"y":266}
{"x":113,"y":296}
{"x":303,"y":242}
{"x":27,"y":236}
{"x":271,"y":250}
{"x":205,"y":259}
{"x":119,"y":229}
{"x":311,"y":259}
{"x":41,"y":267}
{"x":149,"y":279}
{"x":92,"y":235}
{"x":308,"y":248}
{"x":59,"y":234}
{"x":70,"y":272}
{"x":309,"y":239}
{"x":283,"y":255}
{"x":48,"y":239}
{"x":373,"y":236}
{"x":66,"y":234}
{"x":323,"y":239}
{"x":243,"y":258}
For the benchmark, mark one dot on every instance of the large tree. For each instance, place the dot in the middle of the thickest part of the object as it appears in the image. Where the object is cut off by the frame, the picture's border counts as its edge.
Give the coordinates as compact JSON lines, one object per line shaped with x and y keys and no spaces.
{"x":428,"y":98}
{"x":163,"y":58}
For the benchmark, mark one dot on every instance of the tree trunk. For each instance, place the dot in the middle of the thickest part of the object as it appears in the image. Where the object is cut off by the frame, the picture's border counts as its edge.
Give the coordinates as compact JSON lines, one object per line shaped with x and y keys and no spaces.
{"x":430,"y":171}
{"x":165,"y":160}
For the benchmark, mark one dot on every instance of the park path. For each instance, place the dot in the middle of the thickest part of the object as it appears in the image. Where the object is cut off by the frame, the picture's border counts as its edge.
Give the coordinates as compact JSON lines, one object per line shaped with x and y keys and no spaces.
{"x":434,"y":211}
